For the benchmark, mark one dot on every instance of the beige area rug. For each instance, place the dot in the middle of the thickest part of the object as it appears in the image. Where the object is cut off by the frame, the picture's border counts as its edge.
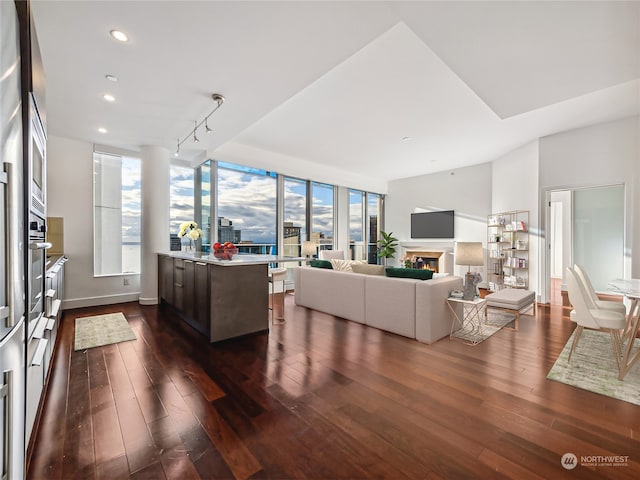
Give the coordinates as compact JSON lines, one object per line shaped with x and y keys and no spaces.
{"x":495,"y":322}
{"x":593,"y":368}
{"x":102,"y":330}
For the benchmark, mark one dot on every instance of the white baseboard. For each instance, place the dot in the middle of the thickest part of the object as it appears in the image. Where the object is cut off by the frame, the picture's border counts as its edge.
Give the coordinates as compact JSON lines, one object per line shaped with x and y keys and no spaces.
{"x":97,"y":301}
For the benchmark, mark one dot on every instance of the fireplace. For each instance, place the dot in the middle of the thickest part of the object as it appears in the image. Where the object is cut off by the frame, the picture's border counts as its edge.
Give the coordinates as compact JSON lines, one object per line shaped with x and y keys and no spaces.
{"x":430,"y":257}
{"x":426,"y":262}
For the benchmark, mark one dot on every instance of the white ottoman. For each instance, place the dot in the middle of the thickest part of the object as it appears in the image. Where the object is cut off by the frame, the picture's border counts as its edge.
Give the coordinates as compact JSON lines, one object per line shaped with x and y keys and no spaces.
{"x":513,"y":300}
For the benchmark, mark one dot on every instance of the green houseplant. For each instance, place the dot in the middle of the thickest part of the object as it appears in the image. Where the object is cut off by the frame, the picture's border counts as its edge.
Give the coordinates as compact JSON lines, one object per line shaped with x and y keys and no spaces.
{"x":387,"y":246}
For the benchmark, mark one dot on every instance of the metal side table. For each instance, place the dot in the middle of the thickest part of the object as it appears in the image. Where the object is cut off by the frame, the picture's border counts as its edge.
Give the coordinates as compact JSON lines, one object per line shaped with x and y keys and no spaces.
{"x":474,"y":316}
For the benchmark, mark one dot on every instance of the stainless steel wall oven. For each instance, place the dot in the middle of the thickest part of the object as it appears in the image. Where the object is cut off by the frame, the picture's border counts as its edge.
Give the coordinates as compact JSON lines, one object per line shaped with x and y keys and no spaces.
{"x":37,"y":257}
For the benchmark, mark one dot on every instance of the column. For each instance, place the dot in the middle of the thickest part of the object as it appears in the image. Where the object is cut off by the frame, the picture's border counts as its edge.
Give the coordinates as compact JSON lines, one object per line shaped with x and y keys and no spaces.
{"x":155,"y":218}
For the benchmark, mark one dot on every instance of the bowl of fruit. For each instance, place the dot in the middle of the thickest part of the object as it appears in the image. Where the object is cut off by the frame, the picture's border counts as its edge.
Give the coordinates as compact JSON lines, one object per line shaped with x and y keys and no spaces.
{"x":224,"y":251}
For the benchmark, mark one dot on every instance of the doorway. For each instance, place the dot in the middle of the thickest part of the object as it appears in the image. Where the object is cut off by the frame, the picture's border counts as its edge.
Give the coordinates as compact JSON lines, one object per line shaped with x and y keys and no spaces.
{"x":586,"y":226}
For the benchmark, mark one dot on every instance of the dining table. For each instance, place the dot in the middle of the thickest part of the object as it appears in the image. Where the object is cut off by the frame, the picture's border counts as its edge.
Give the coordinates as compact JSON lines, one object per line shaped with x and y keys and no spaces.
{"x":630,"y":288}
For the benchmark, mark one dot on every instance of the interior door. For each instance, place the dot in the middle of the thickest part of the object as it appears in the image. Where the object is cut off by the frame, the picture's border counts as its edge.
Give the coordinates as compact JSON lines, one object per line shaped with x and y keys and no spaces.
{"x":598,"y":233}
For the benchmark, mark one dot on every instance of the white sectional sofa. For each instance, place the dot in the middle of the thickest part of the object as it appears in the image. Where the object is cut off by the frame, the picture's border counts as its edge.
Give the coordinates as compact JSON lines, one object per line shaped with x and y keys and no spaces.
{"x":411,"y":308}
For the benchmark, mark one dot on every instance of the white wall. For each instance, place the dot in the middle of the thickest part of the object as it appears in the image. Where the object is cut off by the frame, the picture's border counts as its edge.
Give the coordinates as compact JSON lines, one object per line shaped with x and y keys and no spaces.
{"x":467,"y":191}
{"x":514,"y":180}
{"x":604,"y":154}
{"x":70,"y":195}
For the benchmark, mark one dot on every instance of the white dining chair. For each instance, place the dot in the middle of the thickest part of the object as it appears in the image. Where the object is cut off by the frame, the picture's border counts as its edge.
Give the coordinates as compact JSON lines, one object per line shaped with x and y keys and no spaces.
{"x":586,"y":314}
{"x":606,"y":304}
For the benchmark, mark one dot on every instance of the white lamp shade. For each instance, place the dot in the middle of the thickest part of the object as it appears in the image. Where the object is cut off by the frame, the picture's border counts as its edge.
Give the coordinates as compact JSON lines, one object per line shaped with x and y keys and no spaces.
{"x":308,"y":248}
{"x":469,"y":253}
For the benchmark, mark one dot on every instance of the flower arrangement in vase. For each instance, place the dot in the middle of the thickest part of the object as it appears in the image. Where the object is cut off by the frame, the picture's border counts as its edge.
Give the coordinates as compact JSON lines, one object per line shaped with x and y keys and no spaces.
{"x":192,"y":232}
{"x":407,"y":260}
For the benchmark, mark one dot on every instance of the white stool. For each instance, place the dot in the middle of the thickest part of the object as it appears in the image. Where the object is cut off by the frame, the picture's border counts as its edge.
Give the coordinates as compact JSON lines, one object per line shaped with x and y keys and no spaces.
{"x":276,"y":275}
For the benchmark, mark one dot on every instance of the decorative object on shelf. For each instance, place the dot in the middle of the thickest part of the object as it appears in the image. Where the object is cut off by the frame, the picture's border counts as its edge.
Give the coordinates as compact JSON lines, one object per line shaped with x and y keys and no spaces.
{"x":191,"y":231}
{"x":387,"y":246}
{"x":308,"y":249}
{"x":407,"y":260}
{"x":470,"y":254}
{"x":224,"y":251}
{"x":219,"y":99}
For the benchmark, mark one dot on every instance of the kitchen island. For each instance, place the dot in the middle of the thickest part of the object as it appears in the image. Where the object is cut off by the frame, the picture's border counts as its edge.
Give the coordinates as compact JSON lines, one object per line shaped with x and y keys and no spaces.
{"x":220,"y":298}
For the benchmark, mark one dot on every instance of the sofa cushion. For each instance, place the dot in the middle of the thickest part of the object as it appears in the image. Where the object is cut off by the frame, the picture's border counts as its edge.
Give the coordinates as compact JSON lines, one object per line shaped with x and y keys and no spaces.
{"x":416,"y":273}
{"x":344,"y":265}
{"x":368,"y":269}
{"x":321,"y":264}
{"x":336,"y":293}
{"x":329,"y":254}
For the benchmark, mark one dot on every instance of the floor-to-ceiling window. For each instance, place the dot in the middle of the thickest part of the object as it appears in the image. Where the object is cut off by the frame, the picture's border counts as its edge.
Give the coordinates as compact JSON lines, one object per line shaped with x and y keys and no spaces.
{"x":294,"y":223}
{"x":322,"y":215}
{"x":374,"y":208}
{"x":364,"y":228}
{"x":246,"y":202}
{"x":181,"y":187}
{"x":240,"y":204}
{"x":117,"y":214}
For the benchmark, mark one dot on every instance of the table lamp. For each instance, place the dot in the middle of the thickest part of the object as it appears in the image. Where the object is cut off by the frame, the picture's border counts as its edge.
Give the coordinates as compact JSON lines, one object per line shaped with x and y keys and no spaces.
{"x":308,"y":249}
{"x":470,"y":254}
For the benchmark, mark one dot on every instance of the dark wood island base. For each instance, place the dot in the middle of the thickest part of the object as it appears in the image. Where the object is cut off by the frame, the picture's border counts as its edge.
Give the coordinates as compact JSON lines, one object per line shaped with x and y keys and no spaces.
{"x":221,"y":301}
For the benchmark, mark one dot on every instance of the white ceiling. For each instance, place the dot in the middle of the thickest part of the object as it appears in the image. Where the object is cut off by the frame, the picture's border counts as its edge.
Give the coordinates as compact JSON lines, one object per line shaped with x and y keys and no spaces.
{"x":339,"y":84}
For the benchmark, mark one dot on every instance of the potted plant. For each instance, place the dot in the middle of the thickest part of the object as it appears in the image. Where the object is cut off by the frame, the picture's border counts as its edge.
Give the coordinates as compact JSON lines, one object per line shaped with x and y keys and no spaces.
{"x":387,"y":246}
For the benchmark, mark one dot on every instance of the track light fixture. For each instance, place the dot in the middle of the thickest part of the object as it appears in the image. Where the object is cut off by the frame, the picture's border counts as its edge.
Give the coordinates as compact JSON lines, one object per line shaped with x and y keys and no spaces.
{"x":219,"y":99}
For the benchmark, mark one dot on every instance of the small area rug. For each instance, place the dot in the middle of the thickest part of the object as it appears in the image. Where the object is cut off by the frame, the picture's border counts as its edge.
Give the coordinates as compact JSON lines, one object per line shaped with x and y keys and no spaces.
{"x":102,"y":330}
{"x":593,"y":368}
{"x":495,"y":322}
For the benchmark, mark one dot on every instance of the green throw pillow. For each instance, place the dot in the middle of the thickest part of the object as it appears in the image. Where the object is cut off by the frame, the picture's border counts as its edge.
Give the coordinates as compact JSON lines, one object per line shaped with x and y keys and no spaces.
{"x":417,"y":273}
{"x":321,"y":264}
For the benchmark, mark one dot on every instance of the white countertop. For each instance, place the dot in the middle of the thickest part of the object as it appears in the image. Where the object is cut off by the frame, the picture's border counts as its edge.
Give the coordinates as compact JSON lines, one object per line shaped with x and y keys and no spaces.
{"x":239,"y":259}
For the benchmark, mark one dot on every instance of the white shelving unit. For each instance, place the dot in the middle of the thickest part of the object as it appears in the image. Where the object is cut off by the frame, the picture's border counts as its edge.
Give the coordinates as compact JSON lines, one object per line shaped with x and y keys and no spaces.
{"x":508,"y":250}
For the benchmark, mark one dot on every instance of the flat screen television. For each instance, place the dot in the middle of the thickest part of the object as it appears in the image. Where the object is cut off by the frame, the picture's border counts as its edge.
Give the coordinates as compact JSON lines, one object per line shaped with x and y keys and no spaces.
{"x":432,"y":224}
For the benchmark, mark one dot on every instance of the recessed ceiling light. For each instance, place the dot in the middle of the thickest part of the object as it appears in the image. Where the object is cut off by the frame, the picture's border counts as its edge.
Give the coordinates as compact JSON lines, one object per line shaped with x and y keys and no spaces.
{"x":111,"y":78}
{"x":118,"y":35}
{"x":102,"y":130}
{"x":404,"y":139}
{"x":109,"y":98}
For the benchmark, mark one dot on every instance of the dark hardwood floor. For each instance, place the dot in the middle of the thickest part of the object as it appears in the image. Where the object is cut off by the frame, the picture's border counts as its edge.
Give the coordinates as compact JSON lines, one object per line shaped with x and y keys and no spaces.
{"x":322,"y":398}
